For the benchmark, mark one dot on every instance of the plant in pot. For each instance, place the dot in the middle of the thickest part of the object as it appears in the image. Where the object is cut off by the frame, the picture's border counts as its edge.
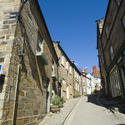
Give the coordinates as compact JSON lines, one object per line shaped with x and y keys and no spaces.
{"x":56,"y":102}
{"x":61,"y":102}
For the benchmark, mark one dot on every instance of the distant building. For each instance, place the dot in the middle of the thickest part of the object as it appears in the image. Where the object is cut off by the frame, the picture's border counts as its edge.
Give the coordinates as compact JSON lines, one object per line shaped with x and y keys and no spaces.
{"x":111,"y":48}
{"x":95,"y":71}
{"x":91,"y":82}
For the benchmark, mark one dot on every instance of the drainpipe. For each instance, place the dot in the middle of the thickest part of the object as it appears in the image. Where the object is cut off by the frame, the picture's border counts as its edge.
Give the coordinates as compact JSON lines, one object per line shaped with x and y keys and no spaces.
{"x":74,"y":78}
{"x":18,"y":73}
{"x":15,"y":97}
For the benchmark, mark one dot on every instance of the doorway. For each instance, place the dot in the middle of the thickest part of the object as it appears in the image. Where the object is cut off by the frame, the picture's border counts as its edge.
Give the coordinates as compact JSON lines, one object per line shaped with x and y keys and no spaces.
{"x":48,"y":98}
{"x":67,"y":90}
{"x":122,"y":71}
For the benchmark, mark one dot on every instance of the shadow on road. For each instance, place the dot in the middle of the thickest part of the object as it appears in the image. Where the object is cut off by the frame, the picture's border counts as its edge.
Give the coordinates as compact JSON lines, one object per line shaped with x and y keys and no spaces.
{"x":113,"y":104}
{"x":93,"y":99}
{"x":120,"y":124}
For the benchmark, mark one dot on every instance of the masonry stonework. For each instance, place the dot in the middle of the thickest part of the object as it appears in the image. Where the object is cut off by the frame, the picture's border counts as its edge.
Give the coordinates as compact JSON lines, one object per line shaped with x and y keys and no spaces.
{"x":24,"y":96}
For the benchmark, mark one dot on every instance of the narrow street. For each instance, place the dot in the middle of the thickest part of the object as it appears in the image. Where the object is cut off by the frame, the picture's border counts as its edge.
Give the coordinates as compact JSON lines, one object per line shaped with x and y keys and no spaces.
{"x":62,"y":62}
{"x":84,"y":111}
{"x":87,"y":112}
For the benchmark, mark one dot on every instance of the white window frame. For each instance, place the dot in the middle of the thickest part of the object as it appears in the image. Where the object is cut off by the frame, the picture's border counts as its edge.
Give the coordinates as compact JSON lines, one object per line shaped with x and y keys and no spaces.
{"x":70,"y":69}
{"x":63,"y":81}
{"x":53,"y":69}
{"x":67,"y":65}
{"x":111,"y":52}
{"x":40,"y":43}
{"x":118,"y":2}
{"x":107,"y":31}
{"x":62,"y":60}
{"x":123,"y":20}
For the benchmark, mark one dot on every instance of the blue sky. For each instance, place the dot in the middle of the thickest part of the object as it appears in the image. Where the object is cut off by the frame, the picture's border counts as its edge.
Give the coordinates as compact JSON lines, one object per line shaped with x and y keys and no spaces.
{"x":72,"y":22}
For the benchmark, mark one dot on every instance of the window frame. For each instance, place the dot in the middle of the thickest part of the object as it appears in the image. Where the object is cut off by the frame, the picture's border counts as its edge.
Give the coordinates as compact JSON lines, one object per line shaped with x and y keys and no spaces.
{"x":123,"y":23}
{"x":39,"y":43}
{"x":62,"y":60}
{"x":67,"y":65}
{"x":107,"y":31}
{"x":118,"y":2}
{"x":111,"y":53}
{"x":2,"y":59}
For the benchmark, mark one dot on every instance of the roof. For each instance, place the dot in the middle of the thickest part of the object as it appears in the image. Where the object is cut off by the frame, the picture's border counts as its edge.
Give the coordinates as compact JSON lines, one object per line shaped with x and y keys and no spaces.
{"x":71,"y":62}
{"x":105,"y":17}
{"x":42,"y":17}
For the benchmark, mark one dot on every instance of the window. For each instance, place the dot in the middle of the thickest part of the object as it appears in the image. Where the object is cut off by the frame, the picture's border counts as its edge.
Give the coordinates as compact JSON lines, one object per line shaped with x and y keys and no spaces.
{"x":76,"y":86}
{"x":62,"y":60}
{"x":70,"y":69}
{"x":67,"y":65}
{"x":1,"y":59}
{"x":14,"y":15}
{"x":75,"y":75}
{"x":115,"y":83}
{"x":123,"y":20}
{"x":118,"y":2}
{"x":63,"y":82}
{"x":107,"y":31}
{"x":70,"y":86}
{"x":111,"y":53}
{"x":39,"y":44}
{"x":53,"y":71}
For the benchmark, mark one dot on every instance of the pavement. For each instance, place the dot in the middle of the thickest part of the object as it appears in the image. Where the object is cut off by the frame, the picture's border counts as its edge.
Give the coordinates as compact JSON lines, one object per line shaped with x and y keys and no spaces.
{"x":86,"y":110}
{"x":60,"y":117}
{"x":90,"y":113}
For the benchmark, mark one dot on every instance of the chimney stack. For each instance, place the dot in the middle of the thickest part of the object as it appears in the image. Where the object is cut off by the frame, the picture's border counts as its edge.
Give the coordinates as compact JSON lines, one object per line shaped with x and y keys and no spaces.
{"x":95,"y":70}
{"x":80,"y":70}
{"x":85,"y":70}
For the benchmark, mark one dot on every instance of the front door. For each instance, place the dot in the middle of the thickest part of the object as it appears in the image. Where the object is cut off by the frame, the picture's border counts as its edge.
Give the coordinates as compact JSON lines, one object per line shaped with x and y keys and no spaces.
{"x":67,"y":90}
{"x":48,"y":98}
{"x":122,"y":70}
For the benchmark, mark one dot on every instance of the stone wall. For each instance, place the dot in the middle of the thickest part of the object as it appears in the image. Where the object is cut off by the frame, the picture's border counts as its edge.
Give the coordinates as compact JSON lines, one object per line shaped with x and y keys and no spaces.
{"x":25,"y":98}
{"x":8,"y":18}
{"x":113,"y":39}
{"x":66,"y":77}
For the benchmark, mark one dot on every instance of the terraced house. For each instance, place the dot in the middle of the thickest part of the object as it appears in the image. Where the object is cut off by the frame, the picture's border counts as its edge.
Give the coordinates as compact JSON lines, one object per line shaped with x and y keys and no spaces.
{"x":70,"y":77}
{"x":77,"y":82}
{"x":111,"y":48}
{"x":28,"y":63}
{"x":66,"y":72}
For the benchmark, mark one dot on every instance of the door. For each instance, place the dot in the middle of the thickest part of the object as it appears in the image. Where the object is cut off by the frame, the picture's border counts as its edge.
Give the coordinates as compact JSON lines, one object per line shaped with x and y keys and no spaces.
{"x":122,"y":70}
{"x":67,"y":90}
{"x":48,"y":99}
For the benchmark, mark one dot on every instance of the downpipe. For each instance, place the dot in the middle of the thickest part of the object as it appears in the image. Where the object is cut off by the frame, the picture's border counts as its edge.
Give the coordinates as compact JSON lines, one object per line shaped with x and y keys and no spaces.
{"x":15,"y":97}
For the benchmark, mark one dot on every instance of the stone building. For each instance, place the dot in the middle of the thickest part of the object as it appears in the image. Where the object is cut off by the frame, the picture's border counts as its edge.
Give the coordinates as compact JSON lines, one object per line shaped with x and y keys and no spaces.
{"x":111,"y":40}
{"x":66,"y":73}
{"x":28,"y":63}
{"x":91,"y":81}
{"x":69,"y":74}
{"x":101,"y":57}
{"x":77,"y":81}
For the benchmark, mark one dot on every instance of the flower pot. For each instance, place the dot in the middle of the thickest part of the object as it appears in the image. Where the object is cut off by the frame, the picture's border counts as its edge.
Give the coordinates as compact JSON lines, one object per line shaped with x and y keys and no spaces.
{"x":54,"y":108}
